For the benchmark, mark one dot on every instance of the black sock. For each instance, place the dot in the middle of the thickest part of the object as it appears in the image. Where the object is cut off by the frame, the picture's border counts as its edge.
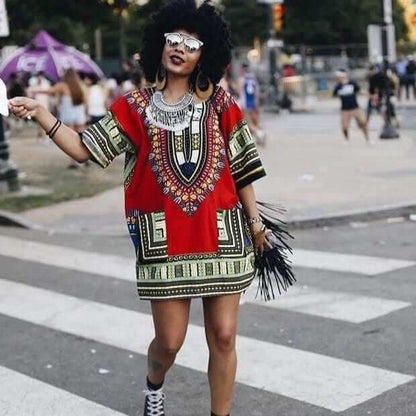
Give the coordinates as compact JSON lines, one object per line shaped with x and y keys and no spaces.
{"x":153,"y":386}
{"x":213,"y":414}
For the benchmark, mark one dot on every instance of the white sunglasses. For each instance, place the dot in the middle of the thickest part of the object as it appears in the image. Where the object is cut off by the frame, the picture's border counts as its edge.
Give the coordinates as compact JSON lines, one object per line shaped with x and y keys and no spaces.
{"x":191,"y":44}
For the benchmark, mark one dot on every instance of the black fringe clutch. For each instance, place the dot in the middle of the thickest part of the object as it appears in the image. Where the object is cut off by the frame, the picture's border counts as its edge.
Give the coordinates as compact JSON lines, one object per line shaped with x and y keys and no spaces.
{"x":274,"y":266}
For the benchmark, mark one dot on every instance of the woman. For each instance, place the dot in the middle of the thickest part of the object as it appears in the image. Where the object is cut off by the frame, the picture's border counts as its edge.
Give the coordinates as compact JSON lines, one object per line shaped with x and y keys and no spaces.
{"x":72,"y":105}
{"x":190,"y":204}
{"x":39,"y":81}
{"x":97,"y":96}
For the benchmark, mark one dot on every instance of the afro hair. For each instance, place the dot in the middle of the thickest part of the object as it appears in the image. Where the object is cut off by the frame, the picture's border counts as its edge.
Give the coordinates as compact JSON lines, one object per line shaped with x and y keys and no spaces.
{"x":205,"y":21}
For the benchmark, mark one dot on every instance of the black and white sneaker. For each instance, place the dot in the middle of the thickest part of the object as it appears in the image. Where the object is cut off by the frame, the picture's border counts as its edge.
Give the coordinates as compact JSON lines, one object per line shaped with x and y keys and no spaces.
{"x":155,"y":402}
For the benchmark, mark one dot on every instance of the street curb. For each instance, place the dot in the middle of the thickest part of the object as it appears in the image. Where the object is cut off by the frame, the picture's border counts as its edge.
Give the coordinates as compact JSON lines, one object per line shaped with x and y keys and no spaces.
{"x":297,"y":223}
{"x":368,"y":215}
{"x":9,"y":219}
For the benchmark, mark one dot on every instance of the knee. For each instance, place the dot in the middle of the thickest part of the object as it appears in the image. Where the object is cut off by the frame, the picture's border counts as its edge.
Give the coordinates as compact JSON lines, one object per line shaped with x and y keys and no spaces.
{"x":222,"y":340}
{"x":169,"y":346}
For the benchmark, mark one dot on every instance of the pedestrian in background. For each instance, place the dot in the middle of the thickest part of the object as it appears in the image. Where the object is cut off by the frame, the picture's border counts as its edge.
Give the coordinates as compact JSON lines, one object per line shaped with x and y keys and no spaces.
{"x":347,"y":91}
{"x":401,"y":67}
{"x":36,"y":82}
{"x":380,"y":86}
{"x":393,"y":83}
{"x":249,"y":93}
{"x":190,"y":203}
{"x":111,"y":84}
{"x":411,"y":77}
{"x":72,"y":103}
{"x":97,"y":98}
{"x":138,"y":79}
{"x":15,"y":88}
{"x":229,"y":84}
{"x":374,"y":77}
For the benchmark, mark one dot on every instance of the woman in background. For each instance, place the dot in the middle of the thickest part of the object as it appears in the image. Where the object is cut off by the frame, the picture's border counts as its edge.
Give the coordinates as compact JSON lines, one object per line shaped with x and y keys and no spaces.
{"x":97,"y":97}
{"x":72,"y":103}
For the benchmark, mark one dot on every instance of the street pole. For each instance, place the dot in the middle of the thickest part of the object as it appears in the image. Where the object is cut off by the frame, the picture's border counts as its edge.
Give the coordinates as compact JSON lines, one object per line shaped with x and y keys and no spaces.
{"x":389,"y":131}
{"x":273,"y":51}
{"x":304,"y":71}
{"x":272,"y":54}
{"x":98,"y":45}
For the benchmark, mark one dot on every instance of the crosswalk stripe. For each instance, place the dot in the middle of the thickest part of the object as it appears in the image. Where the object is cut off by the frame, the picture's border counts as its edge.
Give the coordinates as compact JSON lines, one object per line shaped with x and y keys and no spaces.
{"x":123,"y":267}
{"x":341,"y":306}
{"x":349,"y":263}
{"x":334,"y":305}
{"x":317,"y":379}
{"x":22,"y":395}
{"x":79,"y":260}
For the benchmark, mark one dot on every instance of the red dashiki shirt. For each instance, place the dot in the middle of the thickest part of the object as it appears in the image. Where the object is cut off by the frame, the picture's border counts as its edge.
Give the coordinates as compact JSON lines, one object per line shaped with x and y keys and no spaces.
{"x":182,"y":206}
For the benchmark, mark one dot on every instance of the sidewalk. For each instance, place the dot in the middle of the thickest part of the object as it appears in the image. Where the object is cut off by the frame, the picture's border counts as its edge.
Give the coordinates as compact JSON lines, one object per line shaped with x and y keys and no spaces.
{"x":312,"y":172}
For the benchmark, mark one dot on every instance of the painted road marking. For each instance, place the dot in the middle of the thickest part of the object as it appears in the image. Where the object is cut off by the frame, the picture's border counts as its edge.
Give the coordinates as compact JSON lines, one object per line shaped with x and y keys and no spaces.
{"x":124,"y":267}
{"x":334,"y":305}
{"x":349,"y":263}
{"x":69,"y":258}
{"x":22,"y":395}
{"x":341,"y":306}
{"x":317,"y":379}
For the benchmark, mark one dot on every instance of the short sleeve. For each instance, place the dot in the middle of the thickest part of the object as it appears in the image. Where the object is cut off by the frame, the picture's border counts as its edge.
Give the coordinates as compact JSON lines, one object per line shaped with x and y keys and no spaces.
{"x":105,"y":140}
{"x":243,"y":157}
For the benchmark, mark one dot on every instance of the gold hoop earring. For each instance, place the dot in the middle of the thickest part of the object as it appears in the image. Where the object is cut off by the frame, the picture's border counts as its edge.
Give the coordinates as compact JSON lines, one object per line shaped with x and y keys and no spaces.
{"x":204,"y":87}
{"x":161,"y":78}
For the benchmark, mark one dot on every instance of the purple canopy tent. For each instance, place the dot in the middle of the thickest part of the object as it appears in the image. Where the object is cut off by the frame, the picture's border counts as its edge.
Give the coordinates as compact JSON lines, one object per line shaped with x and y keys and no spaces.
{"x":44,"y":53}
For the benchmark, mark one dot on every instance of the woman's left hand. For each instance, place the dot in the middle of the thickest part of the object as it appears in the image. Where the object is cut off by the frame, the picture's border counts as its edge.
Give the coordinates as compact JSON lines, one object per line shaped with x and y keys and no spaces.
{"x":259,"y":234}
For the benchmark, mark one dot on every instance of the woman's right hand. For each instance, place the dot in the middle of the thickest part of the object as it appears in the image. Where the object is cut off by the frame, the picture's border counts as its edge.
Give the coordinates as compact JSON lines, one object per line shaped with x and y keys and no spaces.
{"x":23,"y":107}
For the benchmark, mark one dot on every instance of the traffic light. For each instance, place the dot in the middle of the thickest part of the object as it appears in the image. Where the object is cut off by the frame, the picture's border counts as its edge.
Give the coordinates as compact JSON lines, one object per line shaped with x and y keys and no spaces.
{"x":278,"y":10}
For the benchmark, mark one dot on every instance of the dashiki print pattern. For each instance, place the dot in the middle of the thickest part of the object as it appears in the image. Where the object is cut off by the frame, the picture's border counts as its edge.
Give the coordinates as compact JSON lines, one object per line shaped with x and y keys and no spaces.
{"x":182,"y":207}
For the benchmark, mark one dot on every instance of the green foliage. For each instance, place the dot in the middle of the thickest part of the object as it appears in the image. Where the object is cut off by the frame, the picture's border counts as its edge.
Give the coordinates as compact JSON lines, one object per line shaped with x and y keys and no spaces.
{"x":248,"y":19}
{"x":331,"y":22}
{"x":137,"y":20}
{"x":70,"y":21}
{"x":74,"y":22}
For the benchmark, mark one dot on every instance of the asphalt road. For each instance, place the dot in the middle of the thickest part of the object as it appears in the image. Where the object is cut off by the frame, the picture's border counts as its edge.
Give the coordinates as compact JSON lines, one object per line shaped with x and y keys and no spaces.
{"x":73,"y":333}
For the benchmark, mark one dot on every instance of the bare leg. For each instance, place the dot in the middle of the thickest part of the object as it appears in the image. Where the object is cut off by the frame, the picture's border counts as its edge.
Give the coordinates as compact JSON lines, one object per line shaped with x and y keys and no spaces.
{"x":170,"y":319}
{"x":251,"y":121}
{"x":345,"y":121}
{"x":364,"y":128}
{"x":362,"y":124}
{"x":221,"y":314}
{"x":255,"y":118}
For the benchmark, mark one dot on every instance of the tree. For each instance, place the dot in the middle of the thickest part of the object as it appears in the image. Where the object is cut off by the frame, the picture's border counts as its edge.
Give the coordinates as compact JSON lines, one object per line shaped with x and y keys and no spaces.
{"x":332,"y":22}
{"x":74,"y":22}
{"x":248,"y":20}
{"x":70,"y":21}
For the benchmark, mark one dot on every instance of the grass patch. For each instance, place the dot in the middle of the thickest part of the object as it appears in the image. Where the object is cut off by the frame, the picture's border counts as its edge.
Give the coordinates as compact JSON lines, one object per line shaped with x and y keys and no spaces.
{"x":46,"y":167}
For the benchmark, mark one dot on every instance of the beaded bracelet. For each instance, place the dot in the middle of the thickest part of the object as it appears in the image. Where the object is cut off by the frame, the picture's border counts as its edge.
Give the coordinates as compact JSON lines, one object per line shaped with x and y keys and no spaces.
{"x":254,"y":220}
